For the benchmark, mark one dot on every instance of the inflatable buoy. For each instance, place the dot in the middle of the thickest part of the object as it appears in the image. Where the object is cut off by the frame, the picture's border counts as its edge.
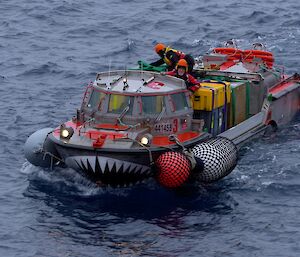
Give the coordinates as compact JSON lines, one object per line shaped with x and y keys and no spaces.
{"x":265,"y":56}
{"x":38,"y":149}
{"x":173,"y":169}
{"x":257,"y":53}
{"x":219,"y":156}
{"x":232,"y":53}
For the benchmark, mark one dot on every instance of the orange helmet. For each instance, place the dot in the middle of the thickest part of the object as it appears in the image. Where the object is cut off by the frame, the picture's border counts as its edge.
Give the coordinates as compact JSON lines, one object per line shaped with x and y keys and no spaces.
{"x":159,"y":47}
{"x":182,"y":63}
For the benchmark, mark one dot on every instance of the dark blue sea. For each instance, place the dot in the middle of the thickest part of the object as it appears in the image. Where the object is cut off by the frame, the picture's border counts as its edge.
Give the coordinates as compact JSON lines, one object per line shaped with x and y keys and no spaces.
{"x":49,"y":51}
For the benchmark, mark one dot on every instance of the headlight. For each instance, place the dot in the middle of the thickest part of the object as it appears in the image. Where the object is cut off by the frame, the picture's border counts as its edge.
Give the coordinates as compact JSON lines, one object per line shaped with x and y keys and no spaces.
{"x":66,"y":132}
{"x":146,"y":140}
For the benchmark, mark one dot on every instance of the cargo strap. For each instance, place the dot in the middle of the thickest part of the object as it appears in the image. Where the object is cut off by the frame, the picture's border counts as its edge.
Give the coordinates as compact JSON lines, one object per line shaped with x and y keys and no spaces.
{"x":233,"y":101}
{"x":247,"y":99}
{"x":224,"y":118}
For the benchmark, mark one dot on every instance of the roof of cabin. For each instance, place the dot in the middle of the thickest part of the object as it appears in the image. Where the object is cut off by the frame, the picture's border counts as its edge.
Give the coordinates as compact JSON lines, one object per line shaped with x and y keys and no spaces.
{"x":135,"y":81}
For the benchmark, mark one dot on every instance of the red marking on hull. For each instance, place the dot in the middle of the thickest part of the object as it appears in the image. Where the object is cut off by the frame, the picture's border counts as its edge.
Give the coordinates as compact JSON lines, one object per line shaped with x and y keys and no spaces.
{"x":269,"y":117}
{"x":227,"y":65}
{"x":111,"y":126}
{"x":164,"y":140}
{"x":281,"y":87}
{"x":99,"y":141}
{"x":95,"y":135}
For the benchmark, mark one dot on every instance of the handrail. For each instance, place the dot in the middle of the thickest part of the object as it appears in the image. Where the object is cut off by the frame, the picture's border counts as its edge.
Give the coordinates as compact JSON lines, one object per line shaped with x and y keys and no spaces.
{"x":234,"y":75}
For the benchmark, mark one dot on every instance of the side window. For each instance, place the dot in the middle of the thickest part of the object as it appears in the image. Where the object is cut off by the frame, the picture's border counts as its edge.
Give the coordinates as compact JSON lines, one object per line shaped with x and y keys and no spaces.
{"x":179,"y":101}
{"x":152,"y":104}
{"x":117,"y":103}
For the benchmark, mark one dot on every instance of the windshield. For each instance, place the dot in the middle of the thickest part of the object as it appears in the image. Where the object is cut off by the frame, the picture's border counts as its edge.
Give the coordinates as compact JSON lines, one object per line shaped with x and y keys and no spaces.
{"x":117,"y":103}
{"x":179,"y":101}
{"x":96,"y":99}
{"x":152,"y":104}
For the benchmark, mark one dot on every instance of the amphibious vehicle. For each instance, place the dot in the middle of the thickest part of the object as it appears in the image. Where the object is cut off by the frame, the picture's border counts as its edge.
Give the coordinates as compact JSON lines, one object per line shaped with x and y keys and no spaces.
{"x":137,"y":124}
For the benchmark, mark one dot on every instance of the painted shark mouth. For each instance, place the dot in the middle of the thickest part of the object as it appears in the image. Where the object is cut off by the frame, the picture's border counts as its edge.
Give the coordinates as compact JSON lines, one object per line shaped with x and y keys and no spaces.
{"x":110,"y":171}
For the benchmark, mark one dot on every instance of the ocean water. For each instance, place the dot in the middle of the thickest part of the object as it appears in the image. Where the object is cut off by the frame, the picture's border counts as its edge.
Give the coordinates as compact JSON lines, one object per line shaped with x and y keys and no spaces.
{"x":51,"y":49}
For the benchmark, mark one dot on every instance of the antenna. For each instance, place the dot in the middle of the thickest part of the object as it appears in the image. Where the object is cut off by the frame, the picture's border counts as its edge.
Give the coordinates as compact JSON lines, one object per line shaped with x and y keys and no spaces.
{"x":142,"y":74}
{"x":109,"y":67}
{"x":126,"y":73}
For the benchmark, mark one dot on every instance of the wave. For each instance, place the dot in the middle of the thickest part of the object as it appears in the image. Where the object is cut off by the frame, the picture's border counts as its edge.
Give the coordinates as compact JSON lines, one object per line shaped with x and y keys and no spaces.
{"x":47,"y":68}
{"x":256,"y":14}
{"x":67,"y":9}
{"x":291,"y":23}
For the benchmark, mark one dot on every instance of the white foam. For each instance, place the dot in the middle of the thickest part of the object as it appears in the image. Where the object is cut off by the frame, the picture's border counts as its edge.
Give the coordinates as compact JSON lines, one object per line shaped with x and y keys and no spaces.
{"x":267,"y":183}
{"x":28,"y":168}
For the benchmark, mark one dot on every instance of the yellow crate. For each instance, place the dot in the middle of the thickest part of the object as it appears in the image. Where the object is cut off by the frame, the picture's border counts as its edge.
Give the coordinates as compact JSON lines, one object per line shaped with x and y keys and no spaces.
{"x":211,"y":95}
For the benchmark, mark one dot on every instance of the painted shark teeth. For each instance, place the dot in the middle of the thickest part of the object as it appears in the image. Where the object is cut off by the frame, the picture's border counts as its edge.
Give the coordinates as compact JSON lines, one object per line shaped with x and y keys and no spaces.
{"x":110,"y":171}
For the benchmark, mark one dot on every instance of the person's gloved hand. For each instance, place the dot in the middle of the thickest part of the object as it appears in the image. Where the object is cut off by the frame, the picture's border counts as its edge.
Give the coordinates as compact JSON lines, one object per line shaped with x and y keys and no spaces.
{"x":194,"y":88}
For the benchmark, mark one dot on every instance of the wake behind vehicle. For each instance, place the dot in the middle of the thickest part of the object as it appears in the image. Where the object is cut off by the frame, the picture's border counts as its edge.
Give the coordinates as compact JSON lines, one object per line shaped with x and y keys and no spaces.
{"x":135,"y":124}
